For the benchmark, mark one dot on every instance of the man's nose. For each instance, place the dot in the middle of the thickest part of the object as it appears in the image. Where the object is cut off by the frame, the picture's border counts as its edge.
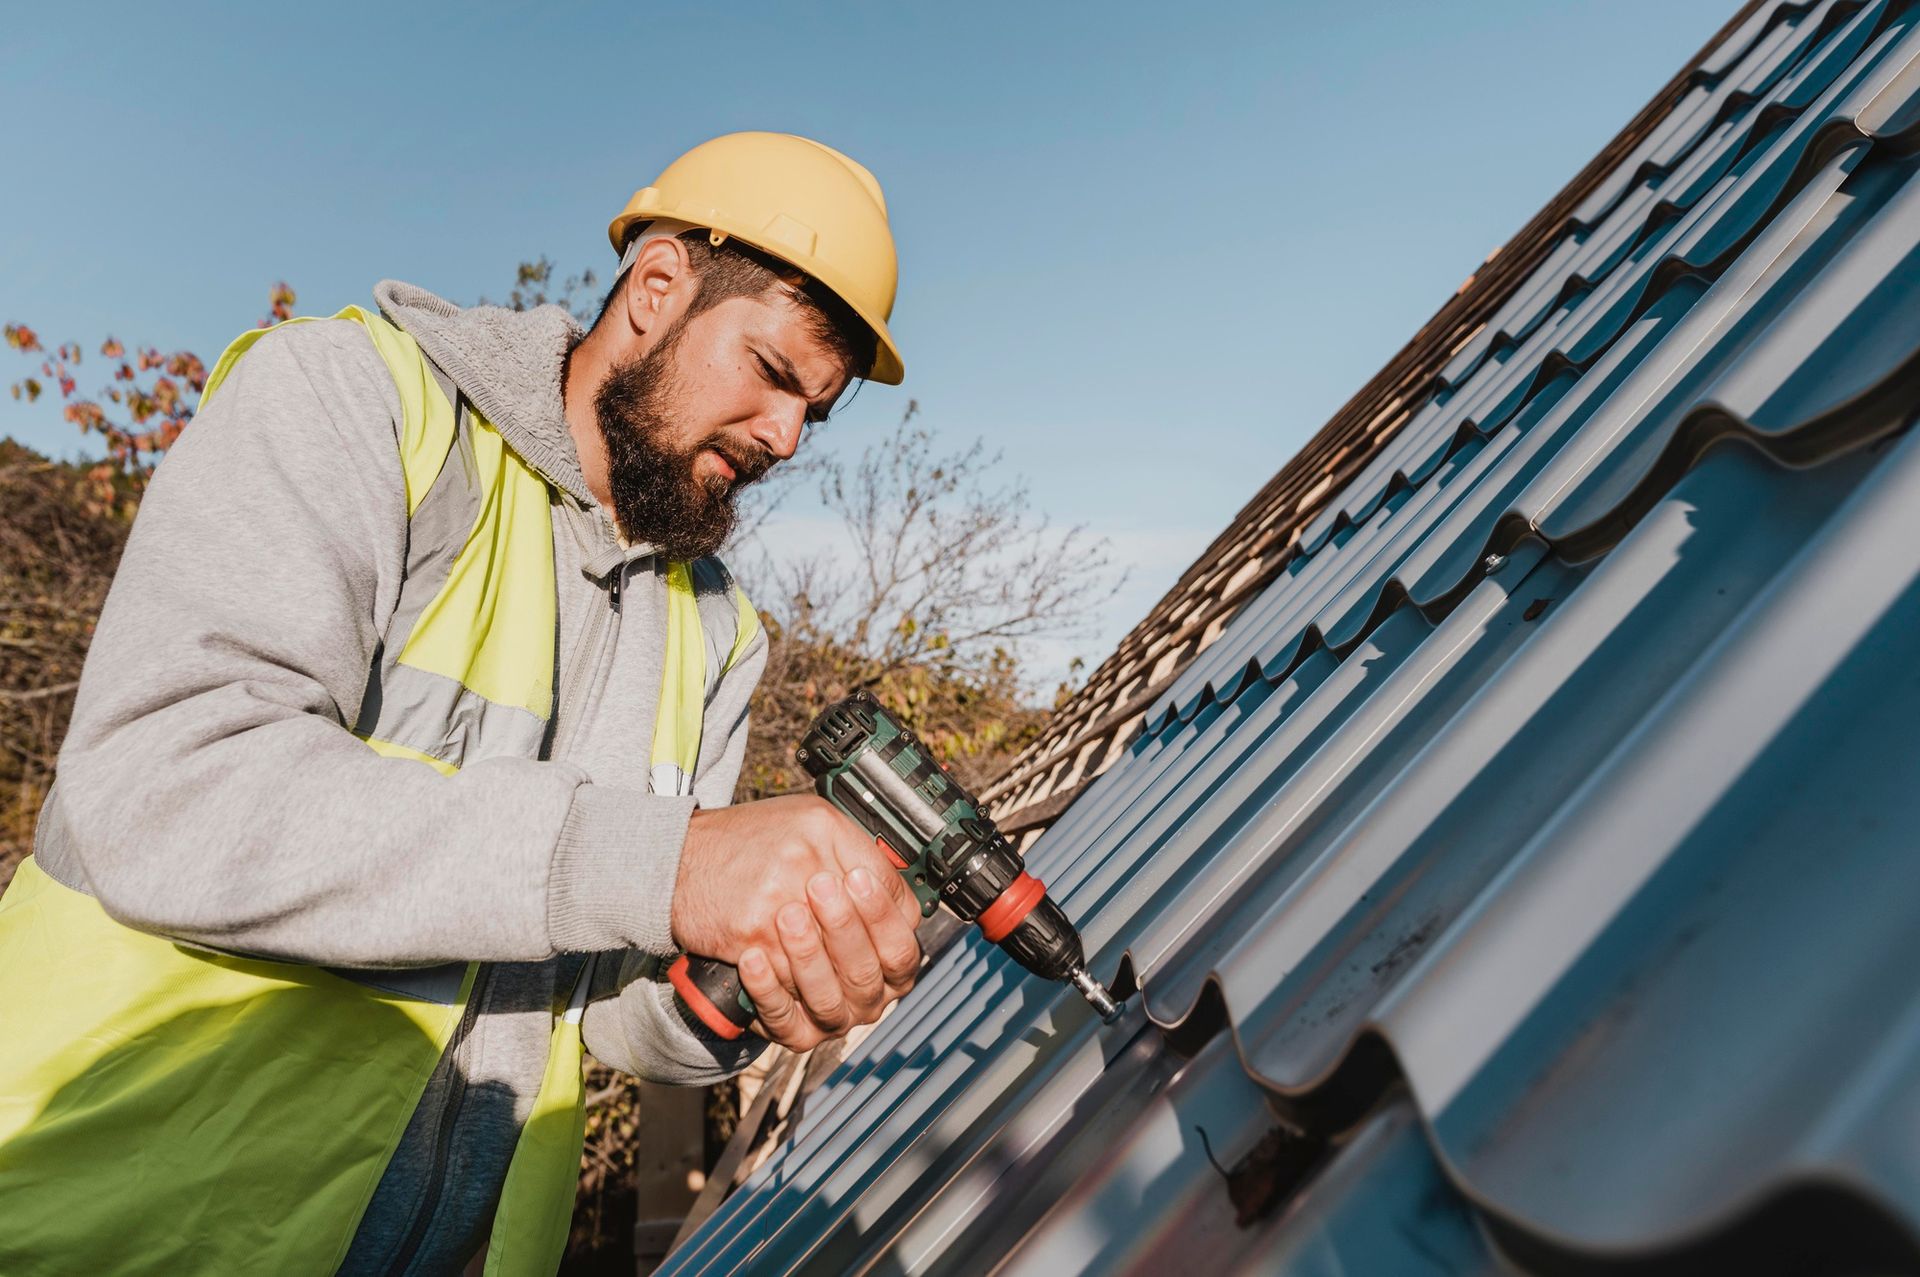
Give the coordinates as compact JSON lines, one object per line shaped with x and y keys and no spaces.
{"x":778,"y":429}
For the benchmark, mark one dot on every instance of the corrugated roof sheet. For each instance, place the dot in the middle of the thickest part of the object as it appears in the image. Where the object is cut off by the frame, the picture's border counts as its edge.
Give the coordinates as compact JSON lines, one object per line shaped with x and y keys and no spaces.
{"x":1527,"y":877}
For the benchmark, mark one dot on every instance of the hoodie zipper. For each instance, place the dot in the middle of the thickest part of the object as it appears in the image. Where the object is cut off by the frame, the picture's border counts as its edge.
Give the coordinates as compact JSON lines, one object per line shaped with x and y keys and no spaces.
{"x":585,"y":658}
{"x":588,"y":651}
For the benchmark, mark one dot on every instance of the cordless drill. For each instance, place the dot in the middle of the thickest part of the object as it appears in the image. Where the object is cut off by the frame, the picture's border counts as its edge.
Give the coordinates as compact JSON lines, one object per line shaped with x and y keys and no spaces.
{"x":949,"y":852}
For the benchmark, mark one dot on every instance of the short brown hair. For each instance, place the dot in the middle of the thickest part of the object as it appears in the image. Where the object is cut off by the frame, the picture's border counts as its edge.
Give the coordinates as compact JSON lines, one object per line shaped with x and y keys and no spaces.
{"x":737,"y":269}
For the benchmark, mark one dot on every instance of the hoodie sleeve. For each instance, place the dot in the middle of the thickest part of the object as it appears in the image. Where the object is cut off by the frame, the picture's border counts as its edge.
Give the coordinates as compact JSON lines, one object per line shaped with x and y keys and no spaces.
{"x":604,"y":896}
{"x":209,"y":789}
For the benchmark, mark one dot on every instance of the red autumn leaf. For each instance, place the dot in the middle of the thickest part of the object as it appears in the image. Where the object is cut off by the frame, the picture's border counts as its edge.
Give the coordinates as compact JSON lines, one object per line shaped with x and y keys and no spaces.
{"x":155,"y":415}
{"x":187,"y":365}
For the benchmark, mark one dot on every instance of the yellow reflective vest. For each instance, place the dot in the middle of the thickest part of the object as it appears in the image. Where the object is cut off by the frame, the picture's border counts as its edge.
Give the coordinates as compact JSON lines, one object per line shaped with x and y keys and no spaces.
{"x":251,"y":1107}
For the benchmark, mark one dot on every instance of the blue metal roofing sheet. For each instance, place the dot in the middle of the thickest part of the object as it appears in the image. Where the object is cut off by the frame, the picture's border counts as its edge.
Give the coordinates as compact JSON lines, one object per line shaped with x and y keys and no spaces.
{"x":1606,"y":331}
{"x":1527,"y":877}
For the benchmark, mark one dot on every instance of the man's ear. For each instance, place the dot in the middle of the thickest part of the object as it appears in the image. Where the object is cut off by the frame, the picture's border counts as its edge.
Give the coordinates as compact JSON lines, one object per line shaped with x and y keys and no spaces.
{"x":650,"y":293}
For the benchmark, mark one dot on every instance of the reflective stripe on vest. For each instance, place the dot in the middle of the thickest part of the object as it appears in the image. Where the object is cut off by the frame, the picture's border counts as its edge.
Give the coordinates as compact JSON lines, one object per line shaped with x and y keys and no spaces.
{"x":174,"y":1110}
{"x":466,"y":669}
{"x":703,"y":606}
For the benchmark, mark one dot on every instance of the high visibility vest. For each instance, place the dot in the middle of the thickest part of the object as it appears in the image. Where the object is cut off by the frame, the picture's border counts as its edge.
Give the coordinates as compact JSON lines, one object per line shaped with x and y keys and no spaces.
{"x":168,"y":1109}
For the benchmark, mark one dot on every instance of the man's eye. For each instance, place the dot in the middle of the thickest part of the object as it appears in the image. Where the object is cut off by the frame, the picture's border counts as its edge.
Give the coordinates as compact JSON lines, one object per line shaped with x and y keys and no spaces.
{"x":816,"y":413}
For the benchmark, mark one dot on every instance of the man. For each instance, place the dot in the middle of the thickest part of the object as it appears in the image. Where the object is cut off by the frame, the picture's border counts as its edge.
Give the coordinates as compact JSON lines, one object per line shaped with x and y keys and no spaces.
{"x":401,"y":761}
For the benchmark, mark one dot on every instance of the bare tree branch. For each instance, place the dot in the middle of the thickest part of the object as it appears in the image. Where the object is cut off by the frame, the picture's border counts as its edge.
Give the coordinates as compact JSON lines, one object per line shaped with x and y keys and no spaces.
{"x":948,"y":572}
{"x":39,"y":693}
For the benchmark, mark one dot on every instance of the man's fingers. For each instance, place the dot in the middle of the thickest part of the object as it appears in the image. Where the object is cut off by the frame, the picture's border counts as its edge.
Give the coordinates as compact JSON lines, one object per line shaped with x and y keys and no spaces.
{"x":813,"y":973}
{"x":892,"y":937}
{"x":781,"y":1019}
{"x":905,"y":903}
{"x":849,"y":945}
{"x":776,"y":959}
{"x":860,"y":850}
{"x":894,"y":888}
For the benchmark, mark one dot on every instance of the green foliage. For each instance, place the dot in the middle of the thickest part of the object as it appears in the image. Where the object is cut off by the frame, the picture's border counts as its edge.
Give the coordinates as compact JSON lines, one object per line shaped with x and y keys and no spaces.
{"x":974,"y":719}
{"x":534,"y":285}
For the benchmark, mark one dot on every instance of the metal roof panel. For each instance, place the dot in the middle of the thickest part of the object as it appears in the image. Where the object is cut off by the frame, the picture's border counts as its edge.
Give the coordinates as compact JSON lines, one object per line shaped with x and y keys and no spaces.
{"x":1524,"y":878}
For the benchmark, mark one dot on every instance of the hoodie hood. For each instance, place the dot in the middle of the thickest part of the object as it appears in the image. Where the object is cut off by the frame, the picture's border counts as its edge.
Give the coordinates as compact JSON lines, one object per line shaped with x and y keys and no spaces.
{"x":508,"y":363}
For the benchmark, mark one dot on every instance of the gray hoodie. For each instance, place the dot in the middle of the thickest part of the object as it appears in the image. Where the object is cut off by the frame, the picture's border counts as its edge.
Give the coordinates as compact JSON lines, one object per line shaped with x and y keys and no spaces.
{"x":209,"y":789}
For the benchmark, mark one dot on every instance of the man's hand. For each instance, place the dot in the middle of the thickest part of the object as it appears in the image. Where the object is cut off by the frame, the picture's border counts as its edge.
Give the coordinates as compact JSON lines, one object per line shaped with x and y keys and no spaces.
{"x":809,"y":909}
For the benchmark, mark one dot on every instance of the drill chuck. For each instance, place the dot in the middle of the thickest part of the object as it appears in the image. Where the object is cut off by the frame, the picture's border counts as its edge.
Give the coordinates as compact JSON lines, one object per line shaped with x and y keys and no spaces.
{"x":1045,"y":943}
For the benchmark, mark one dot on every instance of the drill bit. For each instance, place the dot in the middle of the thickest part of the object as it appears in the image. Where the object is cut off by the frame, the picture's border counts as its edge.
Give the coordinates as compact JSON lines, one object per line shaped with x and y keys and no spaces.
{"x":1095,"y":993}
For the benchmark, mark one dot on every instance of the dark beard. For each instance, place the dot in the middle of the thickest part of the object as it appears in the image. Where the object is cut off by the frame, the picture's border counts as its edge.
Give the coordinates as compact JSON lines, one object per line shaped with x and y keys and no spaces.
{"x":656,"y":497}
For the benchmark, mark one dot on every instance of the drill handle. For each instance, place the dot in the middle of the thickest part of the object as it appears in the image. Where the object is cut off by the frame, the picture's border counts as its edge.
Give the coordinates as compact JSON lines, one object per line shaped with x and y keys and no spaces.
{"x":707,"y":991}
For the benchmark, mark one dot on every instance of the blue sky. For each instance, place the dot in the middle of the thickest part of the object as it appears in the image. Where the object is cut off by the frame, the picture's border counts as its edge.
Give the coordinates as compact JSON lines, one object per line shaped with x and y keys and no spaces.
{"x":1146,"y":251}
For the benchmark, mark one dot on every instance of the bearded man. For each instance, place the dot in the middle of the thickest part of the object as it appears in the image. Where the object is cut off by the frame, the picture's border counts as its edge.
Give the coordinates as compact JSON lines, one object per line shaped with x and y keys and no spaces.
{"x":401,"y":762}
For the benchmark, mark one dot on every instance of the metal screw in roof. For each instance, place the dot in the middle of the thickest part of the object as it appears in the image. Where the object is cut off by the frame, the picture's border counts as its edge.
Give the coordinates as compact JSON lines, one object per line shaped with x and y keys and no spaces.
{"x":1494,"y":562}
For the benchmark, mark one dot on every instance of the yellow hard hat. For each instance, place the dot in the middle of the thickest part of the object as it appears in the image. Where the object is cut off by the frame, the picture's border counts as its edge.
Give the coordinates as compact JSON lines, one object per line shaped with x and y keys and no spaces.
{"x":803,"y":202}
